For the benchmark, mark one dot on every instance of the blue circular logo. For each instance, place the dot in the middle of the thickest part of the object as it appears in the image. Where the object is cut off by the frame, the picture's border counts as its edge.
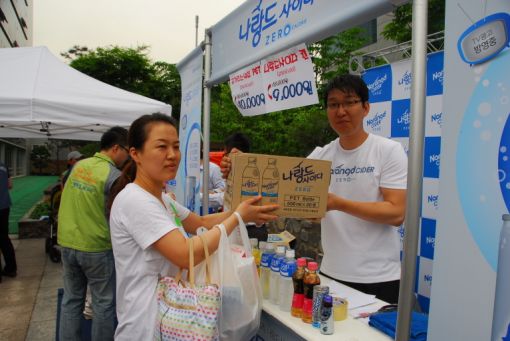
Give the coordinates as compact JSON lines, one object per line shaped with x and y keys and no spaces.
{"x":504,"y":163}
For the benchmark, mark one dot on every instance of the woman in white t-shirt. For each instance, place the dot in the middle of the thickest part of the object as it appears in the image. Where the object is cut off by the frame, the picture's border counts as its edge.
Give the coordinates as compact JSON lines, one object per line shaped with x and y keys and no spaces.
{"x":147,"y":227}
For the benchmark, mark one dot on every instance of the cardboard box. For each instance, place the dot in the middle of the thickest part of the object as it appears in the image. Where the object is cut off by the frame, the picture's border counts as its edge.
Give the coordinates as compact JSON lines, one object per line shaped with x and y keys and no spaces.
{"x":298,"y":185}
{"x":284,"y":238}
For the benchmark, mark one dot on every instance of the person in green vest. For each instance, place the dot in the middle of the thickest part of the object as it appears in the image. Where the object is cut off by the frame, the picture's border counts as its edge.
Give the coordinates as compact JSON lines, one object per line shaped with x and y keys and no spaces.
{"x":84,"y":235}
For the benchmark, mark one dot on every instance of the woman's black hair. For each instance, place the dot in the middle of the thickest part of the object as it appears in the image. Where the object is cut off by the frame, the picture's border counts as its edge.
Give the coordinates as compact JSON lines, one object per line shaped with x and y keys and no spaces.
{"x":137,"y":136}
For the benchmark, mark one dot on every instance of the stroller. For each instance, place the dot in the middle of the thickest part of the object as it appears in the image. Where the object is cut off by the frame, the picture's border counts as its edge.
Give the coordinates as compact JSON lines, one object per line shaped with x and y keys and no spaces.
{"x":52,"y":248}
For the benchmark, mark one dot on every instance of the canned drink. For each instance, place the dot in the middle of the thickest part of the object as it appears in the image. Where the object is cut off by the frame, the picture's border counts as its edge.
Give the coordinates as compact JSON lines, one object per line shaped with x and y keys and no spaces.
{"x":501,"y":316}
{"x":189,"y":192}
{"x":327,"y":325}
{"x":340,"y":307}
{"x":319,"y":291}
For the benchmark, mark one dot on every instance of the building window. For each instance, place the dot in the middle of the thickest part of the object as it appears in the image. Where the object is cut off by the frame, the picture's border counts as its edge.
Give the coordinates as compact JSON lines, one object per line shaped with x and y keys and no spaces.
{"x":369,"y":31}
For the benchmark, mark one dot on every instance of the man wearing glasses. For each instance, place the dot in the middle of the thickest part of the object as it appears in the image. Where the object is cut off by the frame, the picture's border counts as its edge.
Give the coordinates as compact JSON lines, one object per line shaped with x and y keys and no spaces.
{"x":84,"y":236}
{"x":367,"y":196}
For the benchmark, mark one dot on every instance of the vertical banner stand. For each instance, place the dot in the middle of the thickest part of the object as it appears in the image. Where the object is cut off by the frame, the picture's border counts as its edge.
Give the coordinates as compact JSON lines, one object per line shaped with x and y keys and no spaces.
{"x":415,"y":169}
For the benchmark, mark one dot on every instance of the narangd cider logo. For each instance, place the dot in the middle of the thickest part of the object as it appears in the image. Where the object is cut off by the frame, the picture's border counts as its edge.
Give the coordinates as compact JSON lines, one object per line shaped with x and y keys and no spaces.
{"x":302,"y":174}
{"x":376,"y":86}
{"x":375,"y":123}
{"x":433,"y":199}
{"x":435,"y":159}
{"x":437,"y":118}
{"x":341,"y":170}
{"x":438,"y":76}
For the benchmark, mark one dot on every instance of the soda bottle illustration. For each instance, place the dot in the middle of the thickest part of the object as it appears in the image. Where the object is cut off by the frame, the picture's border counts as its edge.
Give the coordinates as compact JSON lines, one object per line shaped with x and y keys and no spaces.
{"x":270,"y":178}
{"x":251,"y":180}
{"x":501,"y":316}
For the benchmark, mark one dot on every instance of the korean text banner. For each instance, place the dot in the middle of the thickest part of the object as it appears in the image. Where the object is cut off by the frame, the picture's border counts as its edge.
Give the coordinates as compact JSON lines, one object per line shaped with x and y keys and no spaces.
{"x":282,"y":81}
{"x":190,"y":70}
{"x":259,"y":28}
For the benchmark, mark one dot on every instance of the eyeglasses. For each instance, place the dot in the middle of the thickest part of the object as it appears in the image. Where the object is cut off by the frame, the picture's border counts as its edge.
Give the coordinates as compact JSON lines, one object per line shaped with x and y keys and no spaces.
{"x":125,"y":148}
{"x":345,"y":105}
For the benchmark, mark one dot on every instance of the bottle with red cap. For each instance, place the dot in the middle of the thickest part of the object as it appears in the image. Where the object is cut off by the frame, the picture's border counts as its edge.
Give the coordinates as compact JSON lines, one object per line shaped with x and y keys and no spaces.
{"x":297,"y":279}
{"x":310,"y":280}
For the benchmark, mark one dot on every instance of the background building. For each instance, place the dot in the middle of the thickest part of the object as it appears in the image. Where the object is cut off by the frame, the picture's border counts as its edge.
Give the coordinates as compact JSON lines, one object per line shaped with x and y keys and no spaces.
{"x":16,"y":30}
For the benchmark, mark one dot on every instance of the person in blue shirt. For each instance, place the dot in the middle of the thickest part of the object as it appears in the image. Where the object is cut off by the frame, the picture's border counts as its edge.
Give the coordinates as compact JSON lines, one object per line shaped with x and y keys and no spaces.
{"x":10,"y":268}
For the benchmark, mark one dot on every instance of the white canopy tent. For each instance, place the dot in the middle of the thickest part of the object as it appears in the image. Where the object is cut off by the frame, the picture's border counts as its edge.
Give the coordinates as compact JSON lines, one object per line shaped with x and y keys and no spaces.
{"x":41,"y":96}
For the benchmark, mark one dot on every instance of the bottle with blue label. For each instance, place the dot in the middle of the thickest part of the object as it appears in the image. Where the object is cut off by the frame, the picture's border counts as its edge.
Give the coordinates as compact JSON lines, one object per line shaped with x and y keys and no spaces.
{"x":265,"y":269}
{"x":501,"y":316}
{"x":274,"y":281}
{"x":287,"y":270}
{"x":250,"y":186}
{"x":270,"y":178}
{"x":171,"y":186}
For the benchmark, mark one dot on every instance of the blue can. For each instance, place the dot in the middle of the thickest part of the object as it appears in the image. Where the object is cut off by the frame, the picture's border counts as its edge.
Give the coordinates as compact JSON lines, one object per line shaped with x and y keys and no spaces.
{"x":327,"y":320}
{"x":501,"y":317}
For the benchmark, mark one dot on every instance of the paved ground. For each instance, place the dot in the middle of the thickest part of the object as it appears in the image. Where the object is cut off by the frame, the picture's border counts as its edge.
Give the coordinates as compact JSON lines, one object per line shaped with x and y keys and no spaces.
{"x":28,"y":303}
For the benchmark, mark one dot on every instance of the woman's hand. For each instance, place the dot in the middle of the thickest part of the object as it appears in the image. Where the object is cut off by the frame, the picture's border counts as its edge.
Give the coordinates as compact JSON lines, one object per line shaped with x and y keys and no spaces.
{"x":226,"y":163}
{"x":251,"y":212}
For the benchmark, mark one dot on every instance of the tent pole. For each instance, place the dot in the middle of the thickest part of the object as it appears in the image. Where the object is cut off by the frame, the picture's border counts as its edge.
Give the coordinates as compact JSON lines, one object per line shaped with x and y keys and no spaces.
{"x":415,"y":169}
{"x":206,"y":127}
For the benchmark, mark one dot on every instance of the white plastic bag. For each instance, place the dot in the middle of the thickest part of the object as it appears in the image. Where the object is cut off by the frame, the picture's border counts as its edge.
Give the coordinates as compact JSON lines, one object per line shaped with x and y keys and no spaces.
{"x":241,"y":295}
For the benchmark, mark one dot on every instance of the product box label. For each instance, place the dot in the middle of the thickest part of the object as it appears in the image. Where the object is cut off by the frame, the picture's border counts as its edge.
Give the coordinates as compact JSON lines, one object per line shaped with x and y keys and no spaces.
{"x":298,"y":185}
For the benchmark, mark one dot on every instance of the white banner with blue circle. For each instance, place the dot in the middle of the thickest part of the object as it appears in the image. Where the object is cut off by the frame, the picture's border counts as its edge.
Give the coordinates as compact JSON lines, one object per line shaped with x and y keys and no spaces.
{"x":475,"y":175}
{"x":190,"y":130}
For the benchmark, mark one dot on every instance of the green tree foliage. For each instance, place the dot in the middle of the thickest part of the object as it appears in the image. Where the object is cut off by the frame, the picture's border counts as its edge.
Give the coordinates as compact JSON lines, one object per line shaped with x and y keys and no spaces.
{"x":400,"y":28}
{"x":130,"y":69}
{"x":40,"y":156}
{"x":89,"y":149}
{"x":293,"y":132}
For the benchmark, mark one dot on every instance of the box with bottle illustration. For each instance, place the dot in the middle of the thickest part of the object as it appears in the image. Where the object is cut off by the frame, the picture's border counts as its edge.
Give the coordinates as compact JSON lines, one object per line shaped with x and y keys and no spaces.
{"x":298,"y":185}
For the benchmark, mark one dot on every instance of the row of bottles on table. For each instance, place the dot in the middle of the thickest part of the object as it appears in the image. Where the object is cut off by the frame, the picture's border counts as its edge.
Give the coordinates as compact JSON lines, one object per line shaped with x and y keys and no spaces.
{"x":293,"y":285}
{"x":283,"y":279}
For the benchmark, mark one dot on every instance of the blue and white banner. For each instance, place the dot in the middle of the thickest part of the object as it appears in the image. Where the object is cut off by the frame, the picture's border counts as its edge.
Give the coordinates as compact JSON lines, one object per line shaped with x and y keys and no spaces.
{"x":259,"y":28}
{"x":282,"y":81}
{"x":390,"y":116}
{"x":190,"y":129}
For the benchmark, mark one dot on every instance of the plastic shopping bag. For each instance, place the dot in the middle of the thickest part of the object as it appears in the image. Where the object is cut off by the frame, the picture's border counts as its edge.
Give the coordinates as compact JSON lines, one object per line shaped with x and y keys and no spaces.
{"x":241,"y":295}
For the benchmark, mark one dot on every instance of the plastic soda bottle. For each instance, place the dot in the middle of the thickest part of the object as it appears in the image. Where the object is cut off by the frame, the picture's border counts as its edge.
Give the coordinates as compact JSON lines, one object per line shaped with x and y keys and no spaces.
{"x":287,"y":269}
{"x":250,"y":186}
{"x":310,"y":280}
{"x":297,"y":279}
{"x":270,"y":178}
{"x":274,"y":282}
{"x":255,"y":251}
{"x":501,"y":316}
{"x":265,"y":270}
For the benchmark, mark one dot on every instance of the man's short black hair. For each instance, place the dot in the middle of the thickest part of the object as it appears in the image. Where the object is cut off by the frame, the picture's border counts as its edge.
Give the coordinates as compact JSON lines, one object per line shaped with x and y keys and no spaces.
{"x":113,"y":136}
{"x":348,"y":84}
{"x":238,"y":141}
